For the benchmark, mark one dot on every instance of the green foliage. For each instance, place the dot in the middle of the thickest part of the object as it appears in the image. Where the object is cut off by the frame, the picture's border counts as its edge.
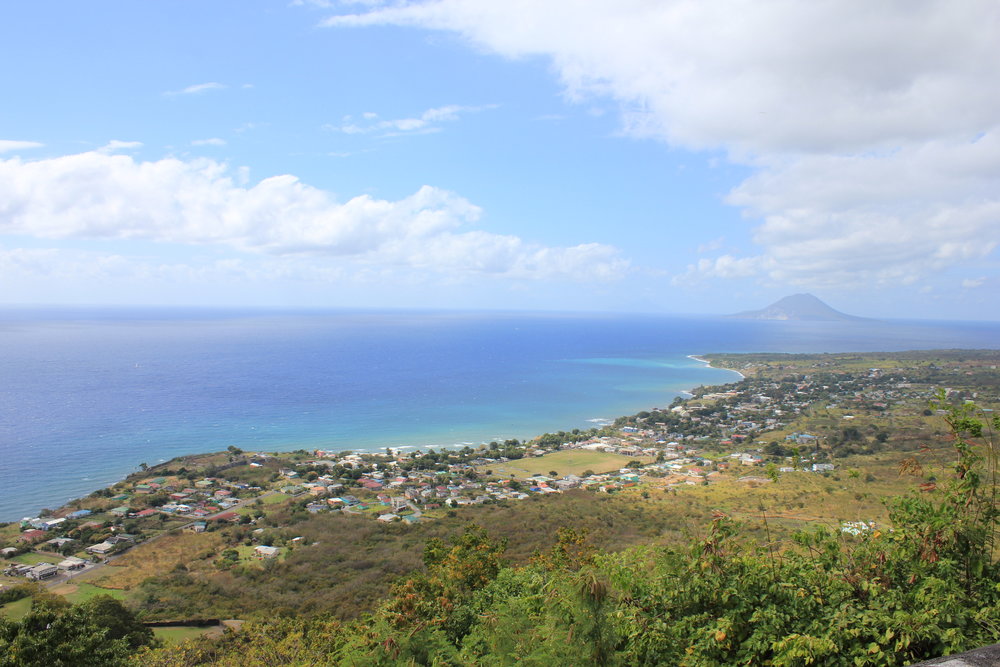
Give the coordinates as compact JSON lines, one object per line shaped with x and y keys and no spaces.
{"x":927,"y":587}
{"x":19,"y":592}
{"x":98,"y":633}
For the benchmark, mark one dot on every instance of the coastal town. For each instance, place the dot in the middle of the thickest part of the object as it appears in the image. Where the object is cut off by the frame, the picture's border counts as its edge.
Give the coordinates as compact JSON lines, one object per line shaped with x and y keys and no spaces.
{"x":779,"y":420}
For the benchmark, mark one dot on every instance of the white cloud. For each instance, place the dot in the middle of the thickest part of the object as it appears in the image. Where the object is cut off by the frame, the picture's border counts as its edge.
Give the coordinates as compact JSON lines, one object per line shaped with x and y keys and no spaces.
{"x":67,"y":265}
{"x":872,"y":129}
{"x":974,"y":282}
{"x":115,"y":145}
{"x":214,"y":141}
{"x":426,"y":123}
{"x":104,"y":196}
{"x":10,"y":145}
{"x":197,"y":89}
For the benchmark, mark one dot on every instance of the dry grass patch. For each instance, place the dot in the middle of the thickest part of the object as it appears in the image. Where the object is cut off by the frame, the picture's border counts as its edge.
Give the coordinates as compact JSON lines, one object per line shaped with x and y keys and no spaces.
{"x":564,"y":462}
{"x":156,"y":557}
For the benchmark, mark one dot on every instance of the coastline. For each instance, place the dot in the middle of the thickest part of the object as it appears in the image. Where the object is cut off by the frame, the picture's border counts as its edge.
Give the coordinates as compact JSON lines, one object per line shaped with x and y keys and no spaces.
{"x":709,"y":364}
{"x":369,"y":448}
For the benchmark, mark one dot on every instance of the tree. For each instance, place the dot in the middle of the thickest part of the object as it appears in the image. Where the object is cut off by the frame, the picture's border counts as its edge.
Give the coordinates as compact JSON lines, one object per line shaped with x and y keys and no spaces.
{"x":99,"y":633}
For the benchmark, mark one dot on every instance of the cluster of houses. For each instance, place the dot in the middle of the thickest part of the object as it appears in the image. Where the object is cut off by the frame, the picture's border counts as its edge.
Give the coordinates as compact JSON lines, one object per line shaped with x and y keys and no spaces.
{"x":42,"y":571}
{"x":205,"y":497}
{"x":143,"y":500}
{"x":757,"y":405}
{"x":393,"y":491}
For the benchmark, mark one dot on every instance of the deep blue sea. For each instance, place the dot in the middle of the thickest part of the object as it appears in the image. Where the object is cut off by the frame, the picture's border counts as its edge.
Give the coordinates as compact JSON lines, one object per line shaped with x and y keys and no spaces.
{"x":87,"y":395}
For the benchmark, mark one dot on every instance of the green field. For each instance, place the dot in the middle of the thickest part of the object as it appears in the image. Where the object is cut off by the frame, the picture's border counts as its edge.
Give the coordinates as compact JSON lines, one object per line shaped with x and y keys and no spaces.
{"x":77,"y":593}
{"x":275,"y":498}
{"x":564,"y":462}
{"x":16,"y":610}
{"x":175,"y":635}
{"x":36,"y":558}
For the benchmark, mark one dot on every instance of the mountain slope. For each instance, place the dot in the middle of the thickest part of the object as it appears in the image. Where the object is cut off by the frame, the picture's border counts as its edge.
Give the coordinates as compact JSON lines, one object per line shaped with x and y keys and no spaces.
{"x":802,"y":307}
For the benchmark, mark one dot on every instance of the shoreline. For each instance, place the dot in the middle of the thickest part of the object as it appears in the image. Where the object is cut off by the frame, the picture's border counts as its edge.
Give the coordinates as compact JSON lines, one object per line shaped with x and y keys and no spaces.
{"x":709,"y":364}
{"x":374,"y":449}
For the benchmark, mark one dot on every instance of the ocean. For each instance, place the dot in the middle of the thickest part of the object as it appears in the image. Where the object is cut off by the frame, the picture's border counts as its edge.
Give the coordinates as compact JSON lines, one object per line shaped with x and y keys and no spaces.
{"x":86,"y":395}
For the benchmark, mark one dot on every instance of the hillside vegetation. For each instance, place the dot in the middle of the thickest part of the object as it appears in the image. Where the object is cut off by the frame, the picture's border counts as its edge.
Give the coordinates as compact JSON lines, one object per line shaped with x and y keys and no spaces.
{"x":820,"y":511}
{"x":924,"y":586}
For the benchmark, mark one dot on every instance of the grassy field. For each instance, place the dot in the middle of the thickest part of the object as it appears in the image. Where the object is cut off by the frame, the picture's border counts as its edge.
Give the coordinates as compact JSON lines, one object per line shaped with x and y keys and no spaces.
{"x":175,"y":635}
{"x":855,"y":491}
{"x":564,"y":462}
{"x":275,"y":498}
{"x":16,"y":610}
{"x":77,"y":593}
{"x":35,"y":558}
{"x":147,"y":560}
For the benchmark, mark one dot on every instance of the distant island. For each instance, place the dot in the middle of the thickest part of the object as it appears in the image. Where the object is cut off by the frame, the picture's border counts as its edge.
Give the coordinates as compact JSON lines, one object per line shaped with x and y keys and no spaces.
{"x":802,"y":307}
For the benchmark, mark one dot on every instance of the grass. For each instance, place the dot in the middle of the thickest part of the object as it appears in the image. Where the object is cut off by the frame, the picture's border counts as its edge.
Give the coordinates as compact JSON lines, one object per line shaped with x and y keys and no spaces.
{"x":248,"y":555}
{"x":564,"y":462}
{"x":16,"y":610}
{"x":36,"y":558}
{"x":153,"y":558}
{"x":276,"y":498}
{"x":77,"y":593}
{"x":180,"y":633}
{"x":798,"y":500}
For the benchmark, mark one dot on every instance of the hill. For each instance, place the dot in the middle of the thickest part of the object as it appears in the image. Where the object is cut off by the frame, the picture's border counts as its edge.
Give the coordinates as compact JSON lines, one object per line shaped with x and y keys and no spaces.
{"x":802,"y":307}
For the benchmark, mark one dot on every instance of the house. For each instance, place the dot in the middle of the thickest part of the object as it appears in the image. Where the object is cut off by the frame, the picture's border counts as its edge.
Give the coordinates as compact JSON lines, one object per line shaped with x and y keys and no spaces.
{"x":120,"y":511}
{"x":59,"y":542}
{"x":146,"y":512}
{"x":101,"y":549}
{"x":42,"y":571}
{"x":47,"y":524}
{"x":197,"y":527}
{"x":72,"y":563}
{"x":31,"y":536}
{"x":388,"y":518}
{"x":263,"y":551}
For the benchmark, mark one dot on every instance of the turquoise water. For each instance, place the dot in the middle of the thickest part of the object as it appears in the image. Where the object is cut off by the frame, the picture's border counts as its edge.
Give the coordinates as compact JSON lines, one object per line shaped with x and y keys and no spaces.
{"x":86,"y":396}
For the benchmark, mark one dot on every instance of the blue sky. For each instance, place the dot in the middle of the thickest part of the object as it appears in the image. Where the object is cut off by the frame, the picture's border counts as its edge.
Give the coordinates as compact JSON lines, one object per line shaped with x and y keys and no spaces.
{"x":667,"y":156}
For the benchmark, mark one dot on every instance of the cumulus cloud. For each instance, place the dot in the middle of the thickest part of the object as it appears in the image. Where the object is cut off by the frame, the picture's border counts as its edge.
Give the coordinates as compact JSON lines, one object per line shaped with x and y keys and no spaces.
{"x":871,"y":128}
{"x":426,"y":123}
{"x":102,"y":195}
{"x":9,"y":145}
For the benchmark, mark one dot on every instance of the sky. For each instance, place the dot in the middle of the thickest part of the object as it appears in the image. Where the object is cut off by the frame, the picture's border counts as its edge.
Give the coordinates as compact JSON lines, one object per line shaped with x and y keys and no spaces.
{"x":668,"y":156}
